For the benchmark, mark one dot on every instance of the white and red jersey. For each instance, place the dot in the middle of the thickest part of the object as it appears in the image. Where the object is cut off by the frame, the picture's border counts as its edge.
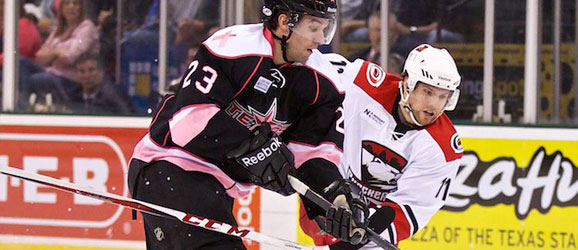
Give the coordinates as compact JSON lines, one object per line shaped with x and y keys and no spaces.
{"x":410,"y":170}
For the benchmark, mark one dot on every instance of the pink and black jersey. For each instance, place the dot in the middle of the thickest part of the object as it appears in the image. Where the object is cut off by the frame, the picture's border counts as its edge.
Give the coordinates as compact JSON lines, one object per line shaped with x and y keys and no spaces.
{"x":230,"y":88}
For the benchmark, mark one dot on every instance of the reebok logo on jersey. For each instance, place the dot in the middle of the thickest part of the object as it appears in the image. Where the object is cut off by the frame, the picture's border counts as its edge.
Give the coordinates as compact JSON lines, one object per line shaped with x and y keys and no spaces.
{"x":263,"y":84}
{"x":262,"y":153}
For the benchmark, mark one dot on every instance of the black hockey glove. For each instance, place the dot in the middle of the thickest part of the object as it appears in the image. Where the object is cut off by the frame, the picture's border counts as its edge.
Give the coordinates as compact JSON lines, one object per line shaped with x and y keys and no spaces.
{"x":378,"y":222}
{"x":347,"y":220}
{"x":267,"y":160}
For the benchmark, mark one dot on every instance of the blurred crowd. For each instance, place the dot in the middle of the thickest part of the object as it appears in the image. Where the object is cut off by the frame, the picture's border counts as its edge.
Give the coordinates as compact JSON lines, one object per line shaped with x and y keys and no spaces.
{"x":69,"y":49}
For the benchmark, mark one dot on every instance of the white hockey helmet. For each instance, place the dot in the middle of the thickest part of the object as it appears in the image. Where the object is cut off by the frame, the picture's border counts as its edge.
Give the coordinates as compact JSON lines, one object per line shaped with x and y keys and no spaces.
{"x":435,"y":67}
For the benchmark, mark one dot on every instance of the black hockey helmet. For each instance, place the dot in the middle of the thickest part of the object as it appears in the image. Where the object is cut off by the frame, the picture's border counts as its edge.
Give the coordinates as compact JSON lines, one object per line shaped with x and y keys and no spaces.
{"x":326,"y":9}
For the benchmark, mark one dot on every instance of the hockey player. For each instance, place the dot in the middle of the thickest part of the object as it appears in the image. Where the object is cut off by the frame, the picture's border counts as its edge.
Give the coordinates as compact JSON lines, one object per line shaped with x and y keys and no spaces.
{"x":256,"y":102}
{"x":401,"y":152}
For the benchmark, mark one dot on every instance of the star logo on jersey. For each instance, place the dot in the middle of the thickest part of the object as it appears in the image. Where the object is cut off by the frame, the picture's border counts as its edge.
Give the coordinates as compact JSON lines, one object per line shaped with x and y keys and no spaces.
{"x":381,"y":167}
{"x":251,"y":117}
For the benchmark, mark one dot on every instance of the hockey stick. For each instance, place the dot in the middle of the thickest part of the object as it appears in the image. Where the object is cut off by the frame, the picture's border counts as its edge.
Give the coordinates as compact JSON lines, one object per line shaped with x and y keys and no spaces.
{"x":157,"y":210}
{"x":304,"y":190}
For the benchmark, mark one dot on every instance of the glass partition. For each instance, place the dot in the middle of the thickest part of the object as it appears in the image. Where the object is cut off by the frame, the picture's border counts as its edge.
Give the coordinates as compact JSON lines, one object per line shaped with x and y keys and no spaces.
{"x":556,"y":94}
{"x":189,"y":23}
{"x":509,"y":56}
{"x":102,"y":57}
{"x":67,"y":58}
{"x":461,"y":31}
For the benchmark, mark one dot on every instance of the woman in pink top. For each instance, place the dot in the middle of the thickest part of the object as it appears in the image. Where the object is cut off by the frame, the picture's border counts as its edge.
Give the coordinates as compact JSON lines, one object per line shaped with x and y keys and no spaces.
{"x":73,"y":36}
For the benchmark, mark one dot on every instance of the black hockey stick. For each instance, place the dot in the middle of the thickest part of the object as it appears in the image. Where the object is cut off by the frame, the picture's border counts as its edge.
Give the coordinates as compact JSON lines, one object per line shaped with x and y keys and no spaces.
{"x":304,"y":190}
{"x":157,"y":210}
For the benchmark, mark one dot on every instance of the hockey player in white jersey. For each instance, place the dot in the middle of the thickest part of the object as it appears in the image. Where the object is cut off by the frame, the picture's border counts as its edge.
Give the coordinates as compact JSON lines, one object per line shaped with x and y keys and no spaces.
{"x":400,"y":150}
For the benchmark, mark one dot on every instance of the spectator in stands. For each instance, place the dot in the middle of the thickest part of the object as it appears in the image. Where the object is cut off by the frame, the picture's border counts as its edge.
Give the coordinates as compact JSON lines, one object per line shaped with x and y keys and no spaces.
{"x":354,"y":13}
{"x":73,"y":36}
{"x":134,"y":14}
{"x":29,"y":40}
{"x":98,"y":10}
{"x":95,"y":94}
{"x":108,"y":39}
{"x":417,"y":18}
{"x":419,"y":22}
{"x":47,"y":18}
{"x":373,"y":52}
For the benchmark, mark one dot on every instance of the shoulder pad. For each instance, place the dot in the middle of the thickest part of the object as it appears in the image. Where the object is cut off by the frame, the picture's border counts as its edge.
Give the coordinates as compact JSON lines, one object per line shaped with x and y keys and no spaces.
{"x":322,"y":65}
{"x":446,"y":136}
{"x":337,"y":61}
{"x":375,"y":82}
{"x":241,"y":40}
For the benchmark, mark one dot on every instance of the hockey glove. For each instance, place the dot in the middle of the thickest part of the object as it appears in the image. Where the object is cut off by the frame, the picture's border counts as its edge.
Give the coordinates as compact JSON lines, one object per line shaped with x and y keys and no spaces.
{"x":267,"y":160}
{"x":347,"y":219}
{"x":378,"y":222}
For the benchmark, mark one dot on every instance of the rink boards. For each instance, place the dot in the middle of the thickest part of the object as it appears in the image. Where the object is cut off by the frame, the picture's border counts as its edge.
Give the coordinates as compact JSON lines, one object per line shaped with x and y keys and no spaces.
{"x":516,"y":189}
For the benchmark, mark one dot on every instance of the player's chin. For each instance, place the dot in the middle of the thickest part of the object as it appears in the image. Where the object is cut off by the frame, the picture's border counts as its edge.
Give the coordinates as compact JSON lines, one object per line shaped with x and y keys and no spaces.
{"x":427,"y":118}
{"x":306,"y":54}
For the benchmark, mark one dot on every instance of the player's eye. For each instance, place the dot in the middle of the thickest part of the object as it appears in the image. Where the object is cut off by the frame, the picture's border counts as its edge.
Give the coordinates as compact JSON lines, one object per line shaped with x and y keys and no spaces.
{"x":314,"y":28}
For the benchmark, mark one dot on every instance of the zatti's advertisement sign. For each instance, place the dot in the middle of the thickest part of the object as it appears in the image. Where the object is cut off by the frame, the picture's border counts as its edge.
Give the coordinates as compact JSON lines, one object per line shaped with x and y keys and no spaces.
{"x":514,"y":190}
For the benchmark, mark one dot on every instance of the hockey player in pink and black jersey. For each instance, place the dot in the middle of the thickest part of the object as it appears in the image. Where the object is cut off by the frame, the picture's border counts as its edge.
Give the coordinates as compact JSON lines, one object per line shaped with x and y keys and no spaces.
{"x":401,"y":152}
{"x":257,"y":102}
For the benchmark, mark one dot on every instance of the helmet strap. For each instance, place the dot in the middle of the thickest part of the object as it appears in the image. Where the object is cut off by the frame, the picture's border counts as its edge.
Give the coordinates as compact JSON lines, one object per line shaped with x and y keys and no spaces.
{"x":283,"y":40}
{"x":403,"y":101}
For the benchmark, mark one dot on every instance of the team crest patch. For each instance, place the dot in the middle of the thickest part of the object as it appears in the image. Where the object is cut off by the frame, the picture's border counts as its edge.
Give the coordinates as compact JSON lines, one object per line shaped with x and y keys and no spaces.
{"x":381,"y":167}
{"x":251,"y":117}
{"x":457,"y":144}
{"x":375,"y":75}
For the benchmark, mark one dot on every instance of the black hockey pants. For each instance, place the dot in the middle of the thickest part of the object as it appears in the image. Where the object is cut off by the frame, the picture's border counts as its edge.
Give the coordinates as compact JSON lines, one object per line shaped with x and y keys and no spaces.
{"x":166,"y":184}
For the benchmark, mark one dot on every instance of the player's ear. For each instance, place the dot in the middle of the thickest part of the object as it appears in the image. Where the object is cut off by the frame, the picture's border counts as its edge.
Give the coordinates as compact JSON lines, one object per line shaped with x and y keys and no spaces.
{"x":283,"y":21}
{"x":404,"y":84}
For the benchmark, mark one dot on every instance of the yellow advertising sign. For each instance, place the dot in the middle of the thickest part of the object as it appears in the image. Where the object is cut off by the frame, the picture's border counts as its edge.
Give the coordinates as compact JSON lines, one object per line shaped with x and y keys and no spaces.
{"x":509,"y":194}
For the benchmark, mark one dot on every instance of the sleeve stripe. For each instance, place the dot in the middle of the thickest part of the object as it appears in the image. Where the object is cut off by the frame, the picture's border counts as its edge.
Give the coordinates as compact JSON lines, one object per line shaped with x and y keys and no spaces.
{"x":402,"y":226}
{"x":249,"y":79}
{"x":190,"y":121}
{"x":305,"y":152}
{"x":390,"y":232}
{"x":412,"y":218}
{"x":159,"y":111}
{"x":317,"y":93}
